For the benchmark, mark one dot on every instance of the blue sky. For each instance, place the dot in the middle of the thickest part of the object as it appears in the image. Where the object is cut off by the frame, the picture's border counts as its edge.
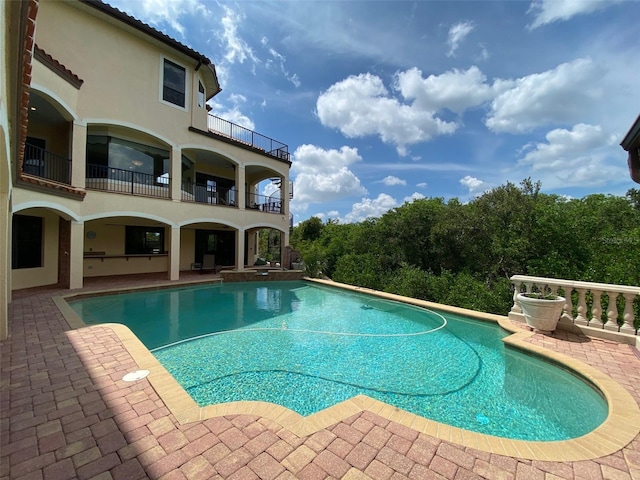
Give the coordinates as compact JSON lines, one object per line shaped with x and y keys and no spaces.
{"x":382,"y":102}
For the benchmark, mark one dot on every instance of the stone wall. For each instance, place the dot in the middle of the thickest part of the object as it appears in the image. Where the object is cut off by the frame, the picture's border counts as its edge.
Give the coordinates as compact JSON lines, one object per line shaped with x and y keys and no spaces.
{"x":260,"y":275}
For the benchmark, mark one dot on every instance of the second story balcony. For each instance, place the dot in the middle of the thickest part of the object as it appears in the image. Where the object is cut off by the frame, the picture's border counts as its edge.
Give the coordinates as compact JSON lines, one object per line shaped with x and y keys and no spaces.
{"x":41,"y":163}
{"x":249,"y":138}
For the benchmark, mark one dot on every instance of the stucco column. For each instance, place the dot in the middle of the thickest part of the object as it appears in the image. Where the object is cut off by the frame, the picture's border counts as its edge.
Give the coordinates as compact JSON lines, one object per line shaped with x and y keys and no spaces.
{"x":284,"y":195}
{"x":5,"y":262}
{"x":176,"y":174}
{"x":240,"y":249}
{"x":240,"y":187}
{"x":174,"y":254}
{"x":78,"y":155}
{"x":76,"y":252}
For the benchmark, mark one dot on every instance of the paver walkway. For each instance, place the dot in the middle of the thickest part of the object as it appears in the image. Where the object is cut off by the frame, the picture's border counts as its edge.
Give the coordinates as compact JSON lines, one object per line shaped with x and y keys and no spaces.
{"x":66,"y":413}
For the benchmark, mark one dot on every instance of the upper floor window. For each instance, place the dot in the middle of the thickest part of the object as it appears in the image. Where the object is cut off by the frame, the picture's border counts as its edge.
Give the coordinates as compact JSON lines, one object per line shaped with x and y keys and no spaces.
{"x":201,"y":96}
{"x":174,"y":81}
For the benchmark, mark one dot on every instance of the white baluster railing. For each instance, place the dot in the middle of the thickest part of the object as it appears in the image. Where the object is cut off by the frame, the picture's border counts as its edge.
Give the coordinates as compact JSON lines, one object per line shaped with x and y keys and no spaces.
{"x":588,"y":311}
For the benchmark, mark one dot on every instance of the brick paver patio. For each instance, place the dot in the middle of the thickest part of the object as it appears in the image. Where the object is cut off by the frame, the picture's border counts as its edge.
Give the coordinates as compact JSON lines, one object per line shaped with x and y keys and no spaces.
{"x":67,"y":413}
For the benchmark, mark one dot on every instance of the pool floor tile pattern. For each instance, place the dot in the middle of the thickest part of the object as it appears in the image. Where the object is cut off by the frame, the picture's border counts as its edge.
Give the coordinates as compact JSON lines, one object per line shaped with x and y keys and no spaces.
{"x":66,"y":413}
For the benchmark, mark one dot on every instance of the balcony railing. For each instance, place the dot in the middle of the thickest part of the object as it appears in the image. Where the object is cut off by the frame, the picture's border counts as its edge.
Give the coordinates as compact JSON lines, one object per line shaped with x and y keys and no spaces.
{"x":264,"y":203}
{"x":213,"y":195}
{"x":41,"y":163}
{"x":599,"y":305}
{"x":109,"y":179}
{"x":248,"y":137}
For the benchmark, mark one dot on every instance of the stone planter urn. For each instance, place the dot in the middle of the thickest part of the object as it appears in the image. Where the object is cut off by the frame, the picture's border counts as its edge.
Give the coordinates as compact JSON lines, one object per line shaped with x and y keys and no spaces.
{"x":541,"y":312}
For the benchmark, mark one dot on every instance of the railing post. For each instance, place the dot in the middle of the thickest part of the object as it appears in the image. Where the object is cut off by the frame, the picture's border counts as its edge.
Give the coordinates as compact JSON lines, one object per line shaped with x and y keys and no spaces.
{"x":568,"y":306}
{"x":581,"y":318}
{"x":596,"y":309}
{"x":516,"y":290}
{"x":628,"y":315}
{"x":612,"y":313}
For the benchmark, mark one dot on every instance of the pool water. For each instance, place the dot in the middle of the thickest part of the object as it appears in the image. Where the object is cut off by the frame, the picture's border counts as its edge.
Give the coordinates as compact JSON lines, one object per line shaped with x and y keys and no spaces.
{"x":307,"y":347}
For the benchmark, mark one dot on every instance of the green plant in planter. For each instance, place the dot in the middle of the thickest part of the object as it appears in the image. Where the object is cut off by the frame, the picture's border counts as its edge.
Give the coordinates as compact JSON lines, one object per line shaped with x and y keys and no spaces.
{"x":541,"y":295}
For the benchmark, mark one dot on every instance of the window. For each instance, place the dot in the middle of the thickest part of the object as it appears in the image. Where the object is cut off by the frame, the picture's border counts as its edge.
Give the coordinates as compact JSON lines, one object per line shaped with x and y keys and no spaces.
{"x":201,"y":96}
{"x":143,"y":240}
{"x":174,"y":83}
{"x":26,"y":242}
{"x":149,"y":165}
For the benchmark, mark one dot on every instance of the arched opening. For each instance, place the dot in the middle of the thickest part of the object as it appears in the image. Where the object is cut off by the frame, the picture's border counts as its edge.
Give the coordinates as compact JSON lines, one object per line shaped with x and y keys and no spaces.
{"x":202,"y":240}
{"x":48,"y":143}
{"x":263,"y":247}
{"x":208,"y":177}
{"x":264,"y":190}
{"x":125,"y":160}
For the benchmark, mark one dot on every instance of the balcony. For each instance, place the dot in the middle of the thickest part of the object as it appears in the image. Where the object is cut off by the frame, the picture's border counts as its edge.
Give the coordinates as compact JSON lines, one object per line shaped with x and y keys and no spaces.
{"x":246,"y":137}
{"x":212,"y":195}
{"x":43,"y":164}
{"x":109,"y":179}
{"x":263,"y":203}
{"x":597,"y":306}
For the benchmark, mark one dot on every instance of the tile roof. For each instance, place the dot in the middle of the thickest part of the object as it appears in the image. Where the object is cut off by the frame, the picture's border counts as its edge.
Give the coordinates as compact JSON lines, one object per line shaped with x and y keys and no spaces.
{"x":57,"y":67}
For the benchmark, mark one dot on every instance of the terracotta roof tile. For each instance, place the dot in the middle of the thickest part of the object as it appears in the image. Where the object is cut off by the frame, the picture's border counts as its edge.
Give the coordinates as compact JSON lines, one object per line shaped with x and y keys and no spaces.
{"x":57,"y":67}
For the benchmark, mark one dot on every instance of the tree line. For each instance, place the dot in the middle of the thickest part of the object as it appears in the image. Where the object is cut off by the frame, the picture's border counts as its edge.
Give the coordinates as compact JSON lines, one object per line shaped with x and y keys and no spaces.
{"x":463,"y":254}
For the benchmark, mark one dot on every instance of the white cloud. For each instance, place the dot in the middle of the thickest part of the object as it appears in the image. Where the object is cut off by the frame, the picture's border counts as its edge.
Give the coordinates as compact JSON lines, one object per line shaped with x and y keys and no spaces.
{"x":233,"y":113}
{"x":421,"y":185}
{"x":391,"y":180}
{"x":369,"y":208}
{"x":549,"y":11}
{"x":484,"y":53}
{"x":455,"y":90}
{"x":159,"y":12}
{"x":457,"y":33}
{"x":413,"y":197}
{"x":237,"y":50}
{"x":280,"y":60}
{"x":566,"y":147}
{"x":577,"y":157}
{"x":360,"y":105}
{"x":473,"y":184}
{"x":324,"y":175}
{"x":562,"y":95}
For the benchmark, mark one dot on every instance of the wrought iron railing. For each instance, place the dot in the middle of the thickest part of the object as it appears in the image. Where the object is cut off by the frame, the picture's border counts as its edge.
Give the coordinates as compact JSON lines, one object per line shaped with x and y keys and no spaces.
{"x":248,"y":137}
{"x":41,"y":163}
{"x":264,"y":203}
{"x":109,"y":179}
{"x":213,"y":195}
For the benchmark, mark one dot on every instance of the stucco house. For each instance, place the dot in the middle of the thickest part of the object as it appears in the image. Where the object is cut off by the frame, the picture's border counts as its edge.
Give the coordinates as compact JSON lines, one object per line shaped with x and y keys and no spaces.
{"x":113,"y":163}
{"x":631,"y":143}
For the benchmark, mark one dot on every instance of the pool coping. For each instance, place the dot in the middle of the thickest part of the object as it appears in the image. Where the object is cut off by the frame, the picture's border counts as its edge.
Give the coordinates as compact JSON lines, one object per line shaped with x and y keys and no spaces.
{"x":619,"y":428}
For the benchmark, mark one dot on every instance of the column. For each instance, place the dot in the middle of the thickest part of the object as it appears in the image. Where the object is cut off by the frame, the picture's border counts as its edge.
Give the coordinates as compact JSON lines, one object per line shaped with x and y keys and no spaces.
{"x":174,"y":253}
{"x":240,"y":187}
{"x":176,"y":174}
{"x":78,"y":155}
{"x":240,"y":249}
{"x":5,"y":254}
{"x":76,"y":252}
{"x":284,"y":195}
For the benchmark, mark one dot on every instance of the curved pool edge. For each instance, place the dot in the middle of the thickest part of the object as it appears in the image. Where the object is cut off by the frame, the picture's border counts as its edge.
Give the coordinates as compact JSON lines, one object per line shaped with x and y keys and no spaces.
{"x":620,"y":427}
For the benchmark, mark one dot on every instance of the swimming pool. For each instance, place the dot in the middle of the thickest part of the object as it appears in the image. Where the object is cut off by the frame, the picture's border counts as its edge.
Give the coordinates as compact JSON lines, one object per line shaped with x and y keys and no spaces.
{"x":307,"y":347}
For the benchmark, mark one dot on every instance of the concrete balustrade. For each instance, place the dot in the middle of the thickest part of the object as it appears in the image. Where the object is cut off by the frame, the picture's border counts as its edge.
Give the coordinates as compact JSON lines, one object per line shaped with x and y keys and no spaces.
{"x":587,"y":313}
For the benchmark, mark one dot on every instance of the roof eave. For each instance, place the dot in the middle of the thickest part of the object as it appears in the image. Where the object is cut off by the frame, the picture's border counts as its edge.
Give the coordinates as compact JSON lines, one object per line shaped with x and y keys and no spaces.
{"x":633,"y":135}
